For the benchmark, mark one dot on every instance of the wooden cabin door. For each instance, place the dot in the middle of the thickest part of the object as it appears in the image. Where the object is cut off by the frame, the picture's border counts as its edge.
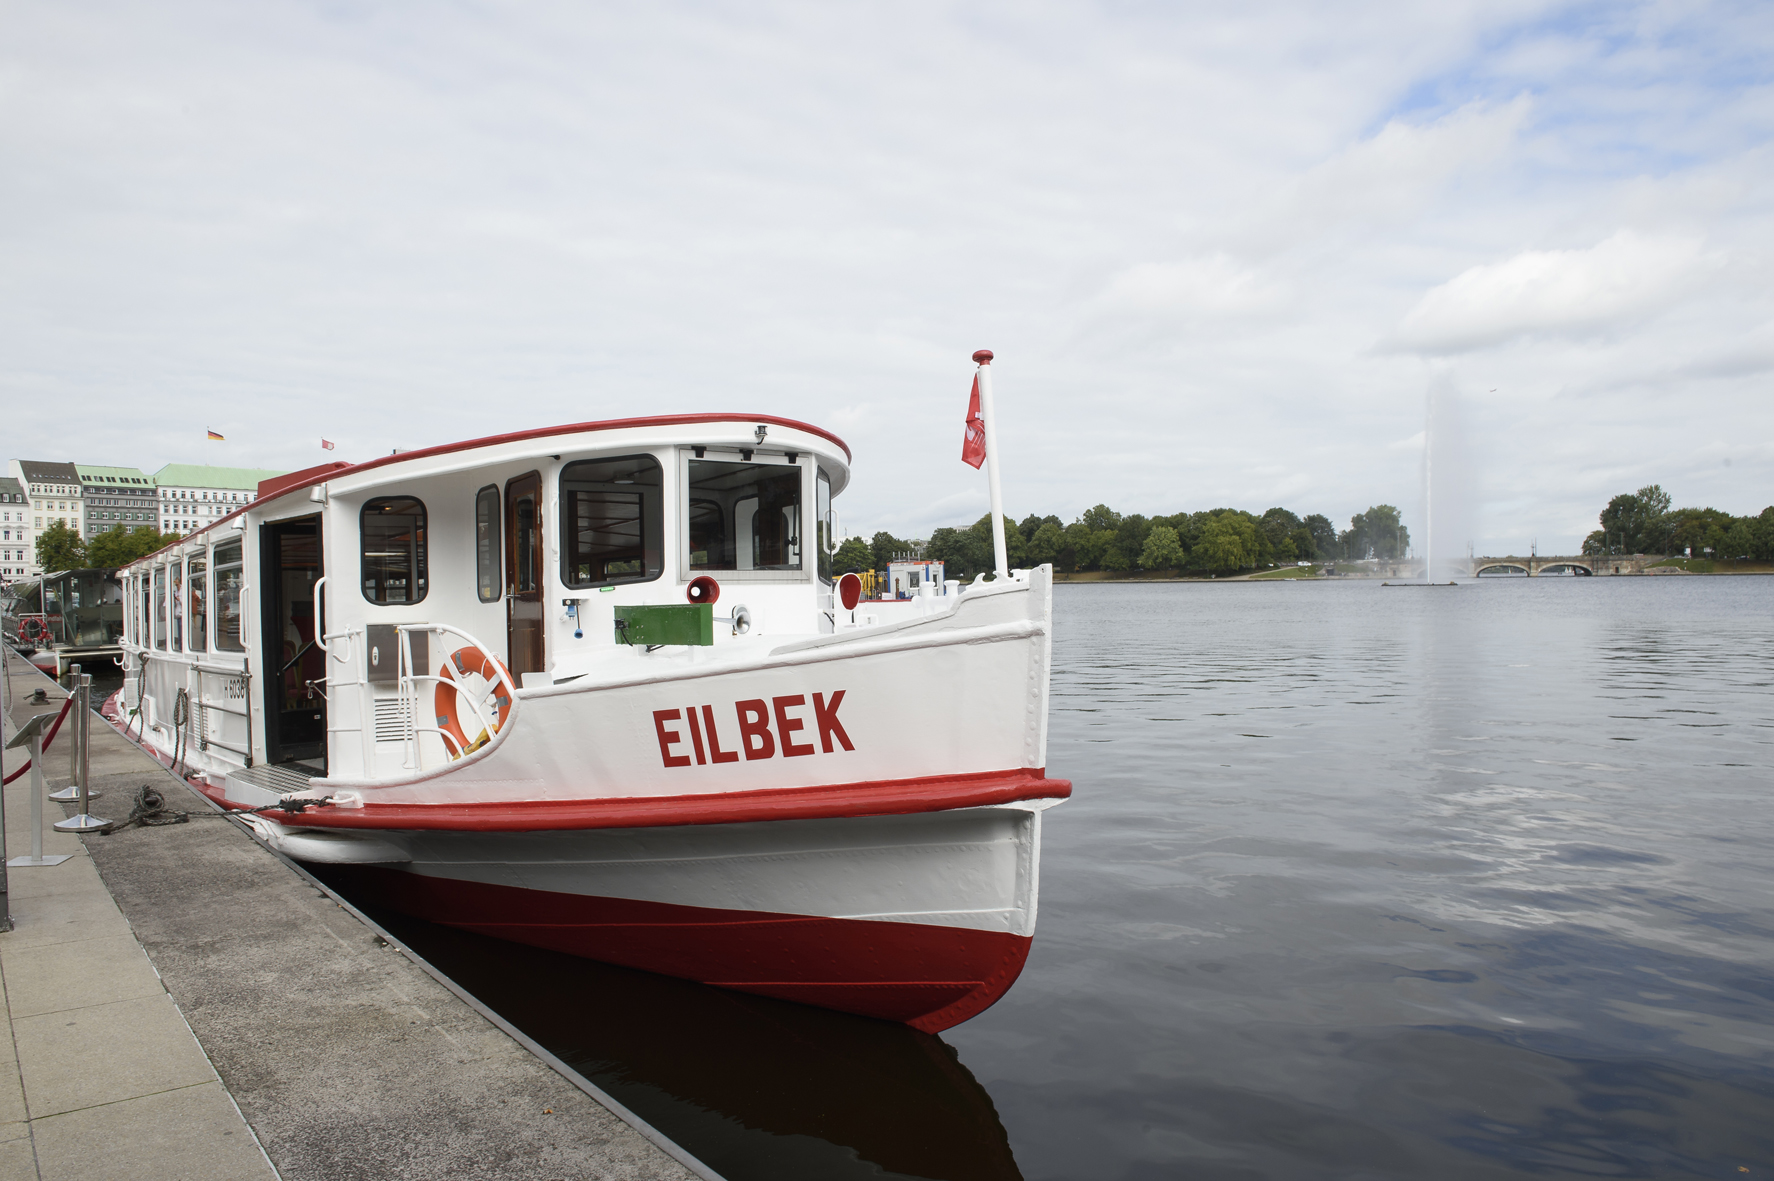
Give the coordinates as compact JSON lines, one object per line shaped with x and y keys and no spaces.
{"x":523,"y":576}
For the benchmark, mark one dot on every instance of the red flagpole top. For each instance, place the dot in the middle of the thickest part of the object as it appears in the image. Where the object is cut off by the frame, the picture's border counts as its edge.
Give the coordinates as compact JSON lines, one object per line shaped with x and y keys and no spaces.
{"x":983,"y":357}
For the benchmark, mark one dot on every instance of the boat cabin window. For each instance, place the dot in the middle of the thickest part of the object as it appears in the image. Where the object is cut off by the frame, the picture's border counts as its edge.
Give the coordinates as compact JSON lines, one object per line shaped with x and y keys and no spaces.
{"x":822,"y":496}
{"x":177,"y":573}
{"x":147,"y":610}
{"x":199,"y":605}
{"x":744,"y":516}
{"x":160,"y":607}
{"x":612,"y":521}
{"x":229,"y":577}
{"x":486,"y":543}
{"x":392,"y":529}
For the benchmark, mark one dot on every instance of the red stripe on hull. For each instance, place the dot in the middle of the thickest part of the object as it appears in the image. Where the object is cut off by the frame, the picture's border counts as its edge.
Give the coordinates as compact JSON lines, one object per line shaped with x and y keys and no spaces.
{"x":929,"y":977}
{"x":885,"y":797}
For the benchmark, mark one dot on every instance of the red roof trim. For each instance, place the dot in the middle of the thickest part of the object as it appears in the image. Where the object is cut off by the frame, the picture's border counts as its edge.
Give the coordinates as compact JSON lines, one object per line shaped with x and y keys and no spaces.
{"x":308,"y":475}
{"x":612,"y":424}
{"x":872,"y":798}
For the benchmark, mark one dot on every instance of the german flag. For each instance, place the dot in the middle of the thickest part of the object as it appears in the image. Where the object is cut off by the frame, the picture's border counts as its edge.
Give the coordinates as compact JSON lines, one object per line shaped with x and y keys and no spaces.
{"x":217,"y":437}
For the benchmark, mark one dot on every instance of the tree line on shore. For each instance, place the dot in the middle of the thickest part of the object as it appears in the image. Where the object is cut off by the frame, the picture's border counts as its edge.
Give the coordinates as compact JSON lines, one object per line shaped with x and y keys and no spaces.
{"x":1643,"y":522}
{"x":60,"y":548}
{"x":1217,"y":541}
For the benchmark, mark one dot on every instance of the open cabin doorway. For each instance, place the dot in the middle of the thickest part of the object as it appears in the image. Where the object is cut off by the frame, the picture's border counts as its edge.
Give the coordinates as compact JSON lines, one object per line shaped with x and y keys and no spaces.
{"x":523,"y":576}
{"x":290,"y":635}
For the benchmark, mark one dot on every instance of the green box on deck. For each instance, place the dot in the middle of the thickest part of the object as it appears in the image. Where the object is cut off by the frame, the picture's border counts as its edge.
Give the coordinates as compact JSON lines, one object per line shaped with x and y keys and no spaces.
{"x":677,"y":623}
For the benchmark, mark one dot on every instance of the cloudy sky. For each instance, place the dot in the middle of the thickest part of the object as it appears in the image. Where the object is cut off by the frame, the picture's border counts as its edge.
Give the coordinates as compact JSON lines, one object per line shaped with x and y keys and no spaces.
{"x":1222,"y":251}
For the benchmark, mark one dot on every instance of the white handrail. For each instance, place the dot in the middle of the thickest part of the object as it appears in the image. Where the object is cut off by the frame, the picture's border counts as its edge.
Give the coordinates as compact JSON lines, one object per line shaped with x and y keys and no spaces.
{"x":320,"y":613}
{"x":409,"y":690}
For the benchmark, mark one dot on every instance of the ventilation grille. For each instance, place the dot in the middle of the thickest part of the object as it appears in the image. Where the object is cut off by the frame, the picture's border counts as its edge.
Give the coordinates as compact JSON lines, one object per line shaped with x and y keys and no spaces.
{"x":394,"y":719}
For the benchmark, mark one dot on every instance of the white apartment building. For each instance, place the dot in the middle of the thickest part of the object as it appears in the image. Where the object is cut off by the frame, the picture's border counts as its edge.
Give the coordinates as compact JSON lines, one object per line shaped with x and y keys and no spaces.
{"x":52,"y":492}
{"x":193,"y":495}
{"x":15,"y":533}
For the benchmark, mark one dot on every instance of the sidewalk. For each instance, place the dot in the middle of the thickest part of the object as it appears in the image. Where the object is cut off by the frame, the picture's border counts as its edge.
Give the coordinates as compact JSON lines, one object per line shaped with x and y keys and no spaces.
{"x":101,"y":1077}
{"x":179,"y":996}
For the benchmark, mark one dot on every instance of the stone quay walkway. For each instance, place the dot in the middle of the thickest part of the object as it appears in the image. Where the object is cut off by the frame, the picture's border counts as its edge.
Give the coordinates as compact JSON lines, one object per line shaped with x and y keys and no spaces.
{"x":184,"y":1004}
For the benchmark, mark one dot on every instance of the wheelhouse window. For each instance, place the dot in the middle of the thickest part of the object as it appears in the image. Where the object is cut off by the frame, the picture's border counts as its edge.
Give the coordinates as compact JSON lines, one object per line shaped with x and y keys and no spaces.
{"x":486,"y":543}
{"x":199,"y":581}
{"x":392,"y":529}
{"x":612,"y":521}
{"x":229,"y":578}
{"x":822,"y":507}
{"x":744,"y":516}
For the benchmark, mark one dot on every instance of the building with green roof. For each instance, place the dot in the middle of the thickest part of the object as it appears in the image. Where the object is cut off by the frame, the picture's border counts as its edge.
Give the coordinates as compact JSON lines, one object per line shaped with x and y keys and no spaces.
{"x":193,"y":495}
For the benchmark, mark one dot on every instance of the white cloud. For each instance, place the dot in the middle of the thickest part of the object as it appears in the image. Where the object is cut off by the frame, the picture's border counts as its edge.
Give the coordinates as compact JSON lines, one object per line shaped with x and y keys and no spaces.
{"x":1180,"y":227}
{"x":1614,"y":284}
{"x":1214,"y":285}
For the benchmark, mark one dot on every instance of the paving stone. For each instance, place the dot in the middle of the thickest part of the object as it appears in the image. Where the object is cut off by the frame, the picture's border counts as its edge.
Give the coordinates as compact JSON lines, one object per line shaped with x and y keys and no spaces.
{"x":106,"y":1053}
{"x":193,"y":1134}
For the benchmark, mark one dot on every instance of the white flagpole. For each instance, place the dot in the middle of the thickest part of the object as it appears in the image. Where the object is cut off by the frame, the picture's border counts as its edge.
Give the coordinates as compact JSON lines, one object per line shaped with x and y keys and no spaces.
{"x":984,"y":359}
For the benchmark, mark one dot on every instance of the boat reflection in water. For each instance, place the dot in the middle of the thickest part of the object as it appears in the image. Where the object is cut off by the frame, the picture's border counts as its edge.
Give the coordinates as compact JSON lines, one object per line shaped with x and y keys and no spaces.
{"x":753,"y":1087}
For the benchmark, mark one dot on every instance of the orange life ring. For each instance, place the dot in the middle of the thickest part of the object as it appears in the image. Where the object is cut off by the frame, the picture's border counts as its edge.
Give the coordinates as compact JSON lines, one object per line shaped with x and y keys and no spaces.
{"x":470,"y":661}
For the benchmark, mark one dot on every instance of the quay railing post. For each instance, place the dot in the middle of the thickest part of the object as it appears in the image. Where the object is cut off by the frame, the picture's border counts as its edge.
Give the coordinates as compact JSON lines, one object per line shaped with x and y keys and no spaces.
{"x":83,"y":821}
{"x":5,"y":891}
{"x":81,"y":716}
{"x":31,"y":735}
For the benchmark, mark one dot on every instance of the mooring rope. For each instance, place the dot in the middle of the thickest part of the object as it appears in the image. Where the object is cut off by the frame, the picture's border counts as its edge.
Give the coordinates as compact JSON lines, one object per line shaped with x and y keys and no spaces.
{"x":139,"y":714}
{"x":150,"y":811}
{"x":181,"y":713}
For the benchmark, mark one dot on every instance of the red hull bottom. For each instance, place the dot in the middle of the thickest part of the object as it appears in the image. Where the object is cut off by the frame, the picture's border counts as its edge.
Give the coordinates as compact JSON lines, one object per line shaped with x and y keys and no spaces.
{"x":928,"y":977}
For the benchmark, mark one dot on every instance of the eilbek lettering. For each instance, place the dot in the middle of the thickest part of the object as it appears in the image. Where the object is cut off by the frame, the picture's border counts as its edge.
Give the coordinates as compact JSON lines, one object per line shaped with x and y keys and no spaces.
{"x":690,"y":737}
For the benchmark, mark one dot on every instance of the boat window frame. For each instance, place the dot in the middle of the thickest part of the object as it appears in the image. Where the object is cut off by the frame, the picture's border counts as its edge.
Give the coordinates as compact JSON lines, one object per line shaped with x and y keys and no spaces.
{"x":760,"y":457}
{"x":489,"y":542}
{"x":175,"y":593}
{"x":158,"y":624}
{"x":653,"y":532}
{"x":197,"y":568}
{"x":419,"y":569}
{"x":216,"y":569}
{"x":823,"y":551}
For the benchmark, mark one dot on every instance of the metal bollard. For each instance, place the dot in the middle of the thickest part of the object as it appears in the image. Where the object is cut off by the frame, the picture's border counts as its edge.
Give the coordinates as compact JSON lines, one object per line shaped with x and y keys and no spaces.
{"x":79,"y":740}
{"x":83,"y":821}
{"x":32,"y":735}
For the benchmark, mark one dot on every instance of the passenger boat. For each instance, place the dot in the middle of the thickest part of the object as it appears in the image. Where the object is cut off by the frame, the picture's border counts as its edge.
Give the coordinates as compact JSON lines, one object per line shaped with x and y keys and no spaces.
{"x":66,"y":617}
{"x":588,"y":687}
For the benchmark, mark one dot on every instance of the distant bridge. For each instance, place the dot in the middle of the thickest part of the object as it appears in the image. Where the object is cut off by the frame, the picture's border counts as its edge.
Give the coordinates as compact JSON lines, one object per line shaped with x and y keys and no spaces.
{"x":1581,"y":565}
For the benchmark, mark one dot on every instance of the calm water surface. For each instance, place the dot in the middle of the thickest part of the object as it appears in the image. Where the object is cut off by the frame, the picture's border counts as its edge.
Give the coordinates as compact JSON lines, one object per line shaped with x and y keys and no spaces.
{"x":1356,"y":882}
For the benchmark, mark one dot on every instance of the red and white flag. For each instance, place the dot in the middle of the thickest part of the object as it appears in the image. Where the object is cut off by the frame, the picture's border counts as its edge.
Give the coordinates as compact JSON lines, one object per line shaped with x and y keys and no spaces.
{"x":325,"y":445}
{"x":973,"y":443}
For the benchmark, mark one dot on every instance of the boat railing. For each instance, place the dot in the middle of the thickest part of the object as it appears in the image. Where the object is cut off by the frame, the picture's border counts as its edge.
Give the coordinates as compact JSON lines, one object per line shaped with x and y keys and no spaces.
{"x":411,"y":680}
{"x":208,"y":689}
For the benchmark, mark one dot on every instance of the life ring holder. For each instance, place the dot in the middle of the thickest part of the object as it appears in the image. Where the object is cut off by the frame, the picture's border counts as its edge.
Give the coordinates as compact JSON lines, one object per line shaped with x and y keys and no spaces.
{"x":471,"y":660}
